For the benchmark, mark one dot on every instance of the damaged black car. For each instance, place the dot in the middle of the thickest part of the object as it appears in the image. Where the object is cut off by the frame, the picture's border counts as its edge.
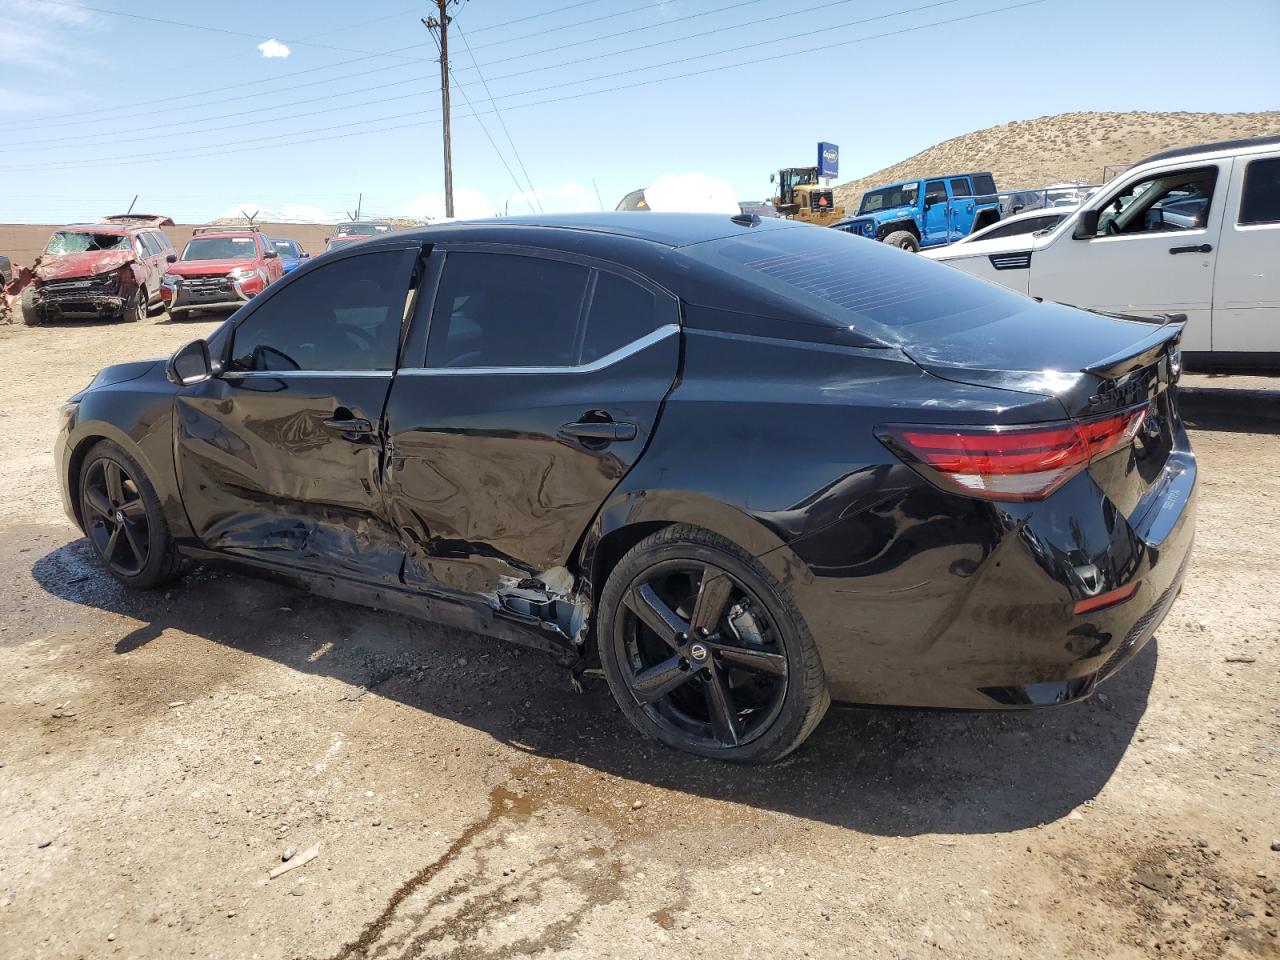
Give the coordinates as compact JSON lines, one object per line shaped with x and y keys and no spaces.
{"x":743,"y":466}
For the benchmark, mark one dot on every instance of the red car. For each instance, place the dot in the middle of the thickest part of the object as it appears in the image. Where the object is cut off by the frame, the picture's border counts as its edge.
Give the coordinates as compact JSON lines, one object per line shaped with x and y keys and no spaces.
{"x":220,"y":268}
{"x":106,"y":270}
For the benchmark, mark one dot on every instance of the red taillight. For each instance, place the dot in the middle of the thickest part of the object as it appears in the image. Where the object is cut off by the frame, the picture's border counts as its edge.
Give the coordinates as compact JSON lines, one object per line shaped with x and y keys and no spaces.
{"x":1011,"y":463}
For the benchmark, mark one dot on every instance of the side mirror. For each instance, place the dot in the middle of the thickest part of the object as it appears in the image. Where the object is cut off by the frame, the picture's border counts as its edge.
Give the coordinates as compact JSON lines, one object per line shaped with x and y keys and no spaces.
{"x":773,"y":178}
{"x":171,"y":258}
{"x":1086,"y":225}
{"x":931,"y":198}
{"x":189,"y":365}
{"x":304,"y":256}
{"x":270,"y":255}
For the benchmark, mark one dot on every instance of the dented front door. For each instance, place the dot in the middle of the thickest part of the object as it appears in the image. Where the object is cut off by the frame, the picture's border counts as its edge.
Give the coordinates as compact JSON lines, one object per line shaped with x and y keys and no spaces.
{"x":542,"y":382}
{"x":279,"y":457}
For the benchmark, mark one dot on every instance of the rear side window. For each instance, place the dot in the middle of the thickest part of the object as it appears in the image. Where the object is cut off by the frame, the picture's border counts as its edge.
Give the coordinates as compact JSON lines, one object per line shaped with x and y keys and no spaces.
{"x":505,"y":310}
{"x":878,"y":291}
{"x":345,"y":315}
{"x":984,"y":184}
{"x":1260,"y":202}
{"x":620,"y":312}
{"x":960,"y":187}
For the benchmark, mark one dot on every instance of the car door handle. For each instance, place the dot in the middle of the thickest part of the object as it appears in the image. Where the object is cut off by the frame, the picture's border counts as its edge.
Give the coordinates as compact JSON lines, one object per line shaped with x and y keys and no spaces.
{"x":606,"y":430}
{"x":350,"y":425}
{"x":1196,"y":248}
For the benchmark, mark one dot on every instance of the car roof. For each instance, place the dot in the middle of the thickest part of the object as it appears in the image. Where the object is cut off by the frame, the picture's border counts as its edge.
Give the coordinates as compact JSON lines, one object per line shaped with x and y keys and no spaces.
{"x":665,"y":229}
{"x":114,"y":229}
{"x":1222,"y":146}
{"x":226,"y":233}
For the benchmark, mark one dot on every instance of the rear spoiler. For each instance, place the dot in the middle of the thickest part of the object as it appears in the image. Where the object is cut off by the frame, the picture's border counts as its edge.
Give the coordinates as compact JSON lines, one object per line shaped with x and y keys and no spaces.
{"x":1146,"y":351}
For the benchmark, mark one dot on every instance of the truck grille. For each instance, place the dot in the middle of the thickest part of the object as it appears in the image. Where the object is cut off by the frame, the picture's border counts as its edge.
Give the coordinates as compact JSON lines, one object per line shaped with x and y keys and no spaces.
{"x":208,"y":286}
{"x":80,"y":288}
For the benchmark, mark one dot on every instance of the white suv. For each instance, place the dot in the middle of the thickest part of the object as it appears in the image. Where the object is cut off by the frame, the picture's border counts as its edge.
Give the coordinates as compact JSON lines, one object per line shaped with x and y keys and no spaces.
{"x":1194,"y":231}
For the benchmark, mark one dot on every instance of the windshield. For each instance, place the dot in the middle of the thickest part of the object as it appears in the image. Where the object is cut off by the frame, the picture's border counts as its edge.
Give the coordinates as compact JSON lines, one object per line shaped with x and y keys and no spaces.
{"x":220,"y":248}
{"x":361,"y":229}
{"x":71,"y":241}
{"x":903,"y":195}
{"x":284,"y":248}
{"x":867,"y":286}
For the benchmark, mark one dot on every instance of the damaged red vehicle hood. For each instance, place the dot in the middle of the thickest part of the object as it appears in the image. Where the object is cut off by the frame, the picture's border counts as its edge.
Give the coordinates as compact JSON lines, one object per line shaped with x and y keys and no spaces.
{"x":65,"y":266}
{"x":208,"y":268}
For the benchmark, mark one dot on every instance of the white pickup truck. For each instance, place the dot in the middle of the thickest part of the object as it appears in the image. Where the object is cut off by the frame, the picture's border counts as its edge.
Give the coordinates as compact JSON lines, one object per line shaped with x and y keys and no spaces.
{"x":1194,"y":231}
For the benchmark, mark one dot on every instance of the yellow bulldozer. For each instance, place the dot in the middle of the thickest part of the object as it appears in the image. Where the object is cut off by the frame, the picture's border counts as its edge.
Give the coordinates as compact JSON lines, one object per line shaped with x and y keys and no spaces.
{"x":801,"y":197}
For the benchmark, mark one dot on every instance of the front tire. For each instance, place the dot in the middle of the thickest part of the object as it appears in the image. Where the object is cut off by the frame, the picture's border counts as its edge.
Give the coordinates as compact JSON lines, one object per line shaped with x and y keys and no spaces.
{"x":30,"y":310}
{"x":705,"y":651}
{"x":136,"y":309}
{"x":903,"y":240}
{"x":121,"y":515}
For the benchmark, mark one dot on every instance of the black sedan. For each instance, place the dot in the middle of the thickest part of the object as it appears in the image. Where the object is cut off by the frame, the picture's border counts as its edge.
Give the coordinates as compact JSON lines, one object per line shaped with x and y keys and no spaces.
{"x":746,"y":466}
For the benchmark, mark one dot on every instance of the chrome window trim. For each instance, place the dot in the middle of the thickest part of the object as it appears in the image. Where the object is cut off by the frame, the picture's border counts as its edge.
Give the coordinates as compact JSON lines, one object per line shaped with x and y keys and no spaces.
{"x":276,"y":374}
{"x":608,"y":360}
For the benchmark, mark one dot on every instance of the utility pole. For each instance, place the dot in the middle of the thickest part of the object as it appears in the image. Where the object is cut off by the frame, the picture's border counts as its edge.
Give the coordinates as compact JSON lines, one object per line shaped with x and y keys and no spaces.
{"x":441,"y":23}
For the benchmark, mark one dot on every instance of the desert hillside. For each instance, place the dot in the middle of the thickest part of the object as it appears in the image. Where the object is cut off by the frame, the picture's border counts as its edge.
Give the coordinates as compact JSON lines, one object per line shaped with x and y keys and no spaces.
{"x":1065,"y":147}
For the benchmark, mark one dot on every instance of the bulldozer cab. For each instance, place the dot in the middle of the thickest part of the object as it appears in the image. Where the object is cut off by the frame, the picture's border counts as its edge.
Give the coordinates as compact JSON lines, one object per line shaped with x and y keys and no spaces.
{"x":802,"y":197}
{"x":793,"y":177}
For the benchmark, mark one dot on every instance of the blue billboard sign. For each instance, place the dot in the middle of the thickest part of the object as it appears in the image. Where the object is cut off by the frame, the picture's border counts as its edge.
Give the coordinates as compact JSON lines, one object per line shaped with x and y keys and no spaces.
{"x":828,"y":160}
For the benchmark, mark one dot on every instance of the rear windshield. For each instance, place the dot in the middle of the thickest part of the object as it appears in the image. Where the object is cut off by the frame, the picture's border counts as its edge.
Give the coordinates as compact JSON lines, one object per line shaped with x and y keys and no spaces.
{"x":880,"y":291}
{"x":220,"y":248}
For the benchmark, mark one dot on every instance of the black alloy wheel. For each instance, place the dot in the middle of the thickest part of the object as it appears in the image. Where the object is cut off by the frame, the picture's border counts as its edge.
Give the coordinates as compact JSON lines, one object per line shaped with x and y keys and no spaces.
{"x":115,"y":517}
{"x":700,"y":654}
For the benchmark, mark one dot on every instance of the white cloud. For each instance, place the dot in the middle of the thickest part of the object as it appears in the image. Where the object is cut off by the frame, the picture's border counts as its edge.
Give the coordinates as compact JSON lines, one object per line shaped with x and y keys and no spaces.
{"x":468,"y":204}
{"x":42,"y":36}
{"x":273,"y":49}
{"x":285,"y":213}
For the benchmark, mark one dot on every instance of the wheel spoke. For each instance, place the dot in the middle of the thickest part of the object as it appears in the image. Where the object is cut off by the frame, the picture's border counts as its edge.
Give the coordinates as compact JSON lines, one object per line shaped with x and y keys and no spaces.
{"x":136,"y":543}
{"x":713,"y":596}
{"x":134,"y":509}
{"x":97,"y":501}
{"x":645,"y":603}
{"x":724,"y":721}
{"x":757,"y":661}
{"x":109,"y":551}
{"x":115,"y":486}
{"x":650,"y":686}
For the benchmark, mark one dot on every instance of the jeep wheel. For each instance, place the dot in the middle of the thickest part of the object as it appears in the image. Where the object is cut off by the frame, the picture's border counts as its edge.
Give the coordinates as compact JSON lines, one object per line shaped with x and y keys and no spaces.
{"x":903,"y":240}
{"x":27,"y":305}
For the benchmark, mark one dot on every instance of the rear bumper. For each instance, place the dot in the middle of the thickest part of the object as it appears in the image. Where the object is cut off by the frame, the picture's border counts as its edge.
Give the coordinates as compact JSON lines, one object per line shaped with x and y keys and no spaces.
{"x":932,"y":600}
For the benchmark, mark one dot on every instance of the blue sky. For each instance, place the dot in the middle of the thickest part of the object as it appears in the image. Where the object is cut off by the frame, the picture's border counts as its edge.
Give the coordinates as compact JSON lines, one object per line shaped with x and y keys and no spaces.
{"x":606,"y":94}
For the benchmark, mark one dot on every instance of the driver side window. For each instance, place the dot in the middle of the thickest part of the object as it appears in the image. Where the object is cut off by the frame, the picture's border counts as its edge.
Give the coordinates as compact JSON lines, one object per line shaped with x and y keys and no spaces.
{"x":1160,"y":204}
{"x":346,"y":315}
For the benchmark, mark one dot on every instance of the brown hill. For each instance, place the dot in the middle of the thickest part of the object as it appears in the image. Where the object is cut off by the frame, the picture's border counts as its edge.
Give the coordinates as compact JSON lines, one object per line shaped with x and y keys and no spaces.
{"x":1068,"y":147}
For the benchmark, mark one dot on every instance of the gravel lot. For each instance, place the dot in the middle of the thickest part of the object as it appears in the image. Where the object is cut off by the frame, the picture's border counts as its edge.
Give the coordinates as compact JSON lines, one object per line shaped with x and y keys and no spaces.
{"x":162,"y":750}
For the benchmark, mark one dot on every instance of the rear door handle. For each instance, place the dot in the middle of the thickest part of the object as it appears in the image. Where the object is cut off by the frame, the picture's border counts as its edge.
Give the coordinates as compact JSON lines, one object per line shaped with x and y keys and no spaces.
{"x":1197,"y":248}
{"x":606,"y":430}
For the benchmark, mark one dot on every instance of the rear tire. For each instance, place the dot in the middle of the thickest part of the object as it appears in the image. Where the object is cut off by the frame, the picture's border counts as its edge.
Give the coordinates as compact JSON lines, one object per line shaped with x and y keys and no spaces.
{"x":748,"y":688}
{"x":903,"y":240}
{"x":122,"y":518}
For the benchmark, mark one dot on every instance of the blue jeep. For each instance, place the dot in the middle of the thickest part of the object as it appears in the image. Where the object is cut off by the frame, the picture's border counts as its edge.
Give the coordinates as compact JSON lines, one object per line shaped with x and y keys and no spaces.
{"x":926,"y":213}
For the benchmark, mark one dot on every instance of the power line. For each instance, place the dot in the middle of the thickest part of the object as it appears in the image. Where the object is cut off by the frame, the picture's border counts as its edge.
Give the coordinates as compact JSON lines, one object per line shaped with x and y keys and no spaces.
{"x":190,"y":26}
{"x":520,"y":162}
{"x":550,"y":100}
{"x":54,"y":121}
{"x":128,"y":138}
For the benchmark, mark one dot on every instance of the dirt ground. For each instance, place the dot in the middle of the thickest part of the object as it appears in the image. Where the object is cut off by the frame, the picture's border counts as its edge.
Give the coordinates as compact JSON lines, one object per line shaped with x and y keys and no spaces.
{"x":162,"y":750}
